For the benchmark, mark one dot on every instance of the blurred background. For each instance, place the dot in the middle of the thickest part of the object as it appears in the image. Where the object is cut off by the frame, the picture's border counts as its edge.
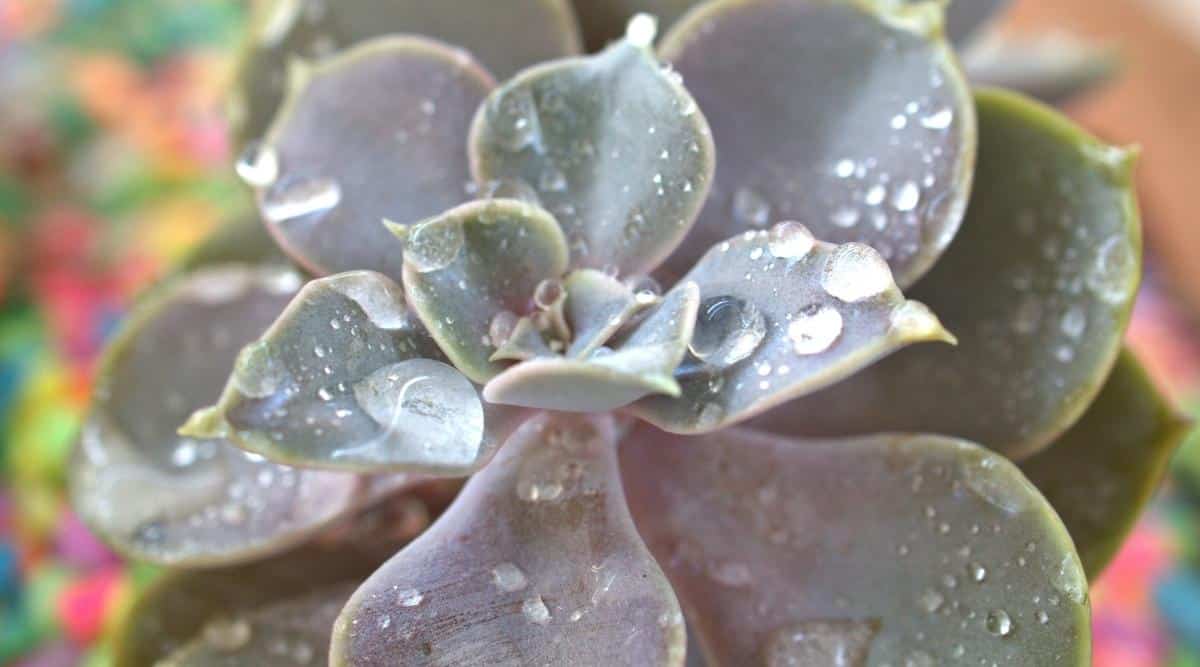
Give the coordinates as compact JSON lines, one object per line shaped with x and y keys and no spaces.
{"x":114,"y":163}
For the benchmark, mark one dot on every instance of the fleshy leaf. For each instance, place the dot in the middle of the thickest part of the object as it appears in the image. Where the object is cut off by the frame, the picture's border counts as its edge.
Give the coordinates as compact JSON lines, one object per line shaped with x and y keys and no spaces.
{"x":603,"y":21}
{"x":912,"y":550}
{"x":347,"y":378}
{"x":292,"y":632}
{"x":180,"y":501}
{"x":638,"y":364}
{"x":613,"y":145}
{"x":375,"y":133}
{"x":470,"y":265}
{"x":782,"y":315}
{"x":1053,"y":67}
{"x":1038,"y":288}
{"x":849,"y":117}
{"x":1100,"y":474}
{"x":598,"y":305}
{"x":536,"y":562}
{"x":506,"y":36}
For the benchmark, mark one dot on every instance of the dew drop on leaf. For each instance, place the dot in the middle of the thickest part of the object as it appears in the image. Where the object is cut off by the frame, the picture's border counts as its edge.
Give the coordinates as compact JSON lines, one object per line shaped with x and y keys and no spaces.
{"x":508,"y":577}
{"x":535,"y":610}
{"x":855,"y":272}
{"x":728,"y":330}
{"x":999,"y":623}
{"x":815,"y":329}
{"x":433,"y":246}
{"x":258,"y":165}
{"x":790,"y":240}
{"x":842,"y":643}
{"x":291,"y":198}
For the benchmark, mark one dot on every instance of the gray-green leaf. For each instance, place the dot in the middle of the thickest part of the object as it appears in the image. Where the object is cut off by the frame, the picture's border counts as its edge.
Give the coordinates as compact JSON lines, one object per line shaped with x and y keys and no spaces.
{"x":157,"y":496}
{"x":901,"y":550}
{"x":783,"y":315}
{"x":850,"y":117}
{"x":348,"y":379}
{"x":614,"y":147}
{"x":1038,"y":288}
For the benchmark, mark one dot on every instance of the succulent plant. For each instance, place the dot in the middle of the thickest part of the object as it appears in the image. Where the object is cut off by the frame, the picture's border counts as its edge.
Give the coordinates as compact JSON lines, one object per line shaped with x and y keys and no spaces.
{"x":813,"y":468}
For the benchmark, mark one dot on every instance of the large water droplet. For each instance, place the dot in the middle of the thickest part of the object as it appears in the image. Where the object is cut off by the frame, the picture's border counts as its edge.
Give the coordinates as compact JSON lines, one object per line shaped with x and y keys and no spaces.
{"x":999,"y":623}
{"x":906,"y":197}
{"x":409,"y":597}
{"x":809,"y":643}
{"x":258,"y":165}
{"x":432,"y":246}
{"x":514,"y":121}
{"x":291,"y":198}
{"x":855,"y":272}
{"x":259,"y":372}
{"x":426,"y":406}
{"x":790,"y":240}
{"x":535,"y":610}
{"x":1070,"y":580}
{"x":751,"y":208}
{"x":986,"y":477}
{"x":814,"y":329}
{"x":938,"y":120}
{"x":728,"y":330}
{"x":1113,"y":271}
{"x":508,"y":577}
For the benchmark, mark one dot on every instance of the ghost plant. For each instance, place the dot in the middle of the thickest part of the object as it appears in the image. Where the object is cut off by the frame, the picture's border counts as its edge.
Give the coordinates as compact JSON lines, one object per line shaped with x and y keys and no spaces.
{"x":781,"y":447}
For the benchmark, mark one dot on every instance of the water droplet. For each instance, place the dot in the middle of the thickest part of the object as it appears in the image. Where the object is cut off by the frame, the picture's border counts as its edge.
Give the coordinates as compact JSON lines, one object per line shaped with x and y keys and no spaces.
{"x":931,"y":600}
{"x":751,"y":208}
{"x":999,"y":623}
{"x":814,"y":329}
{"x":1074,"y":321}
{"x":835,"y":643}
{"x":1070,"y":580}
{"x":907,"y":196}
{"x":790,"y":240}
{"x":938,"y":120}
{"x":987,"y":477}
{"x":409,"y":597}
{"x":875,"y":195}
{"x":227,"y":634}
{"x":385,"y":622}
{"x":508,"y":577}
{"x":258,"y":165}
{"x":292,"y":198}
{"x":919,"y":659}
{"x":513,"y":119}
{"x":426,"y":410}
{"x":432,"y":246}
{"x":855,"y":272}
{"x":844,"y":168}
{"x":976,"y":572}
{"x":1113,"y":272}
{"x":728,"y":330}
{"x":259,"y":372}
{"x":641,"y":30}
{"x":535,"y":610}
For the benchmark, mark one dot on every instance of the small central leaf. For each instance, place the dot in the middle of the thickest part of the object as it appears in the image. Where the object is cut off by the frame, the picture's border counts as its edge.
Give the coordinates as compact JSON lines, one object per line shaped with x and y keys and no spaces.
{"x":612,"y":145}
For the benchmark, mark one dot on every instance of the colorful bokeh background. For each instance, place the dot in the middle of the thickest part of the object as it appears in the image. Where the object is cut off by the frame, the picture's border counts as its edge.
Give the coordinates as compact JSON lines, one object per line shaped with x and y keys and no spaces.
{"x":114,"y":162}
